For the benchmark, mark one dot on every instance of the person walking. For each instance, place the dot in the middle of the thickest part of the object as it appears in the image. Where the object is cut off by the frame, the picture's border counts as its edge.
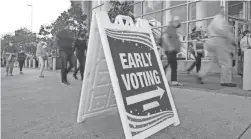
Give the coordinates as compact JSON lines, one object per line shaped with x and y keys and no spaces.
{"x":10,"y":53}
{"x":197,"y":50}
{"x":64,"y":40}
{"x":42,"y":56}
{"x":21,"y":58}
{"x":80,"y":47}
{"x":220,"y":44}
{"x":171,"y":45}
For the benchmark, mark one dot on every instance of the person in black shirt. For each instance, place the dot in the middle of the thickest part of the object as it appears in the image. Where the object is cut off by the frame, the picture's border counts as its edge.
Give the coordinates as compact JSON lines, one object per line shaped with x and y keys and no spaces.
{"x":80,"y":47}
{"x":64,"y":40}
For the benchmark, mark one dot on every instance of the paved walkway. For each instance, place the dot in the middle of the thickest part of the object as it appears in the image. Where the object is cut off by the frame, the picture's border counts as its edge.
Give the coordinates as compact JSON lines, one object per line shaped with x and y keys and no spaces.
{"x":34,"y":108}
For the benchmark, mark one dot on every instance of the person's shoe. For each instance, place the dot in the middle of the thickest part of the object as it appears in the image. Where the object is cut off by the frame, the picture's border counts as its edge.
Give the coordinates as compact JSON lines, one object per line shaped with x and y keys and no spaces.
{"x":41,"y":76}
{"x":175,"y":83}
{"x":228,"y":84}
{"x":11,"y":75}
{"x":21,"y":72}
{"x":66,"y":83}
{"x":75,"y":76}
{"x":7,"y":74}
{"x":199,"y":80}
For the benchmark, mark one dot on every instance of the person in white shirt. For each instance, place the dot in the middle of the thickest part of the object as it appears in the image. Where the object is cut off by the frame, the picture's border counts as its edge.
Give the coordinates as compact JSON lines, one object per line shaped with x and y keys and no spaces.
{"x":245,"y":42}
{"x":220,"y":43}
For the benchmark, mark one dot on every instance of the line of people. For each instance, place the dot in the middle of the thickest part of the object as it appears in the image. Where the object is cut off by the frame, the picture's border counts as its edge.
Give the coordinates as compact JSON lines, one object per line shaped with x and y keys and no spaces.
{"x":11,"y":54}
{"x":70,"y":47}
{"x":220,"y":44}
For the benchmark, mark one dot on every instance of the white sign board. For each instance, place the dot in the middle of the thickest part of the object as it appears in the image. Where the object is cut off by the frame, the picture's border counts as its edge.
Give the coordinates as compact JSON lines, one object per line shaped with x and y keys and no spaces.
{"x":123,"y":61}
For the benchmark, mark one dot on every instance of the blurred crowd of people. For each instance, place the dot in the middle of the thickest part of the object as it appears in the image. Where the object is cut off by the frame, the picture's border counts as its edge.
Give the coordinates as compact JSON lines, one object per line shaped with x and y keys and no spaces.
{"x":220,"y":44}
{"x":71,"y":46}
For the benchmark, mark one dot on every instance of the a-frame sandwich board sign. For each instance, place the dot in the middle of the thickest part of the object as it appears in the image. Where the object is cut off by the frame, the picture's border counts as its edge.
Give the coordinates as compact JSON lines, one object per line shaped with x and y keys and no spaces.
{"x":123,"y":59}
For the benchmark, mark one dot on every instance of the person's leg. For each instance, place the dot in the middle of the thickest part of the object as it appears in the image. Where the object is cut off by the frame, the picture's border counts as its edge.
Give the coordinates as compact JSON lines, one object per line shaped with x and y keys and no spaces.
{"x":172,"y":59}
{"x":193,"y":64}
{"x":7,"y":69}
{"x":198,"y":62}
{"x":41,"y":61}
{"x":11,"y":66}
{"x":82,"y":65}
{"x":64,"y":58}
{"x":79,"y":67}
{"x":71,"y":60}
{"x":21,"y":63}
{"x":166,"y":66}
{"x":225,"y":62}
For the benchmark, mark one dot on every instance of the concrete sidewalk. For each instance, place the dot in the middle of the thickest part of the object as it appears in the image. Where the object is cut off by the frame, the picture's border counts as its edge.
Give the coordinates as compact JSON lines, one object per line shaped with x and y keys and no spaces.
{"x":34,"y":108}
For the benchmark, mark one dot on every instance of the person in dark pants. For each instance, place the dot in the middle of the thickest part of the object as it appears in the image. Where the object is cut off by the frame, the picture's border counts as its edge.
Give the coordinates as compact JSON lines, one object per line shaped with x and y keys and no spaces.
{"x":79,"y":50}
{"x":21,"y":58}
{"x":198,"y":54}
{"x":171,"y":45}
{"x":64,"y":40}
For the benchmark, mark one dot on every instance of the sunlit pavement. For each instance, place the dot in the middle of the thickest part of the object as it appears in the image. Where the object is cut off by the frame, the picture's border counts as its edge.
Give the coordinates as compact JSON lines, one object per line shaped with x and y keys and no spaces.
{"x":43,"y":108}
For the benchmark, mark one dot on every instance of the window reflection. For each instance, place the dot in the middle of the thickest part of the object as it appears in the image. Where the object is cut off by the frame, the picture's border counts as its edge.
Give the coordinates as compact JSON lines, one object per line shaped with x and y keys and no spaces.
{"x":197,"y":11}
{"x":174,"y":3}
{"x":235,"y":8}
{"x":249,"y":10}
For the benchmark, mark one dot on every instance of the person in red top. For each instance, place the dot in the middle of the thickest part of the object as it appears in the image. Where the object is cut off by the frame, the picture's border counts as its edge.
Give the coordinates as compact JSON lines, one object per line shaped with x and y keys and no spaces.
{"x":10,"y":53}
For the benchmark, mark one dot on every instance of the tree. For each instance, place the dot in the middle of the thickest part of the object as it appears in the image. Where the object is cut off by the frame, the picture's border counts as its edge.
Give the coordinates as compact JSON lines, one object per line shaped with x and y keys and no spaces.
{"x":119,"y":8}
{"x":74,"y":14}
{"x":5,"y":40}
{"x":27,"y":39}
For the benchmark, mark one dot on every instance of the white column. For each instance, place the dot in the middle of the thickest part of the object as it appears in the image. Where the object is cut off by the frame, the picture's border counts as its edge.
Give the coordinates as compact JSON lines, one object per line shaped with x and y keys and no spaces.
{"x":137,"y":9}
{"x":167,"y":16}
{"x":26,"y":63}
{"x":46,"y":64}
{"x":54,"y":64}
{"x":150,"y":4}
{"x":87,"y":9}
{"x":246,"y":70}
{"x":30,"y":61}
{"x":106,"y":6}
{"x":201,"y":12}
{"x":34,"y":63}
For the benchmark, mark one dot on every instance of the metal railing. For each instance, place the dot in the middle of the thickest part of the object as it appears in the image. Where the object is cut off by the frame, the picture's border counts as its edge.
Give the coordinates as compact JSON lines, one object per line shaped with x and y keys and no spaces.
{"x":165,"y":9}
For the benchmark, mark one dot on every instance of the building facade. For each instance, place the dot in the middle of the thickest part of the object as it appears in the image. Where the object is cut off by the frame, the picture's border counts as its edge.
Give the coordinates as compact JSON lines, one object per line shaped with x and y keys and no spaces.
{"x":193,"y":13}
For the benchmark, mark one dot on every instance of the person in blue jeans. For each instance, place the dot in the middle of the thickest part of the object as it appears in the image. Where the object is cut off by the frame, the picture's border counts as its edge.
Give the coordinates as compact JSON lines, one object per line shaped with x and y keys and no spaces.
{"x":64,"y":40}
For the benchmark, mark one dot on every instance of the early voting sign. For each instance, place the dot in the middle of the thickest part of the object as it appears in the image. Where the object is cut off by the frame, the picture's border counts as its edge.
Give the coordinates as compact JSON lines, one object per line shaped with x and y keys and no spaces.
{"x":128,"y":54}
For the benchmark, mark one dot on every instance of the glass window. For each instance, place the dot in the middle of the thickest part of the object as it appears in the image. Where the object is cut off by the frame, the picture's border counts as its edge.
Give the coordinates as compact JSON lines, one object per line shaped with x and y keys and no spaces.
{"x":137,"y":8}
{"x":151,"y":6}
{"x":235,"y":8}
{"x":181,"y":12}
{"x":213,"y":7}
{"x":173,"y":3}
{"x":192,"y":11}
